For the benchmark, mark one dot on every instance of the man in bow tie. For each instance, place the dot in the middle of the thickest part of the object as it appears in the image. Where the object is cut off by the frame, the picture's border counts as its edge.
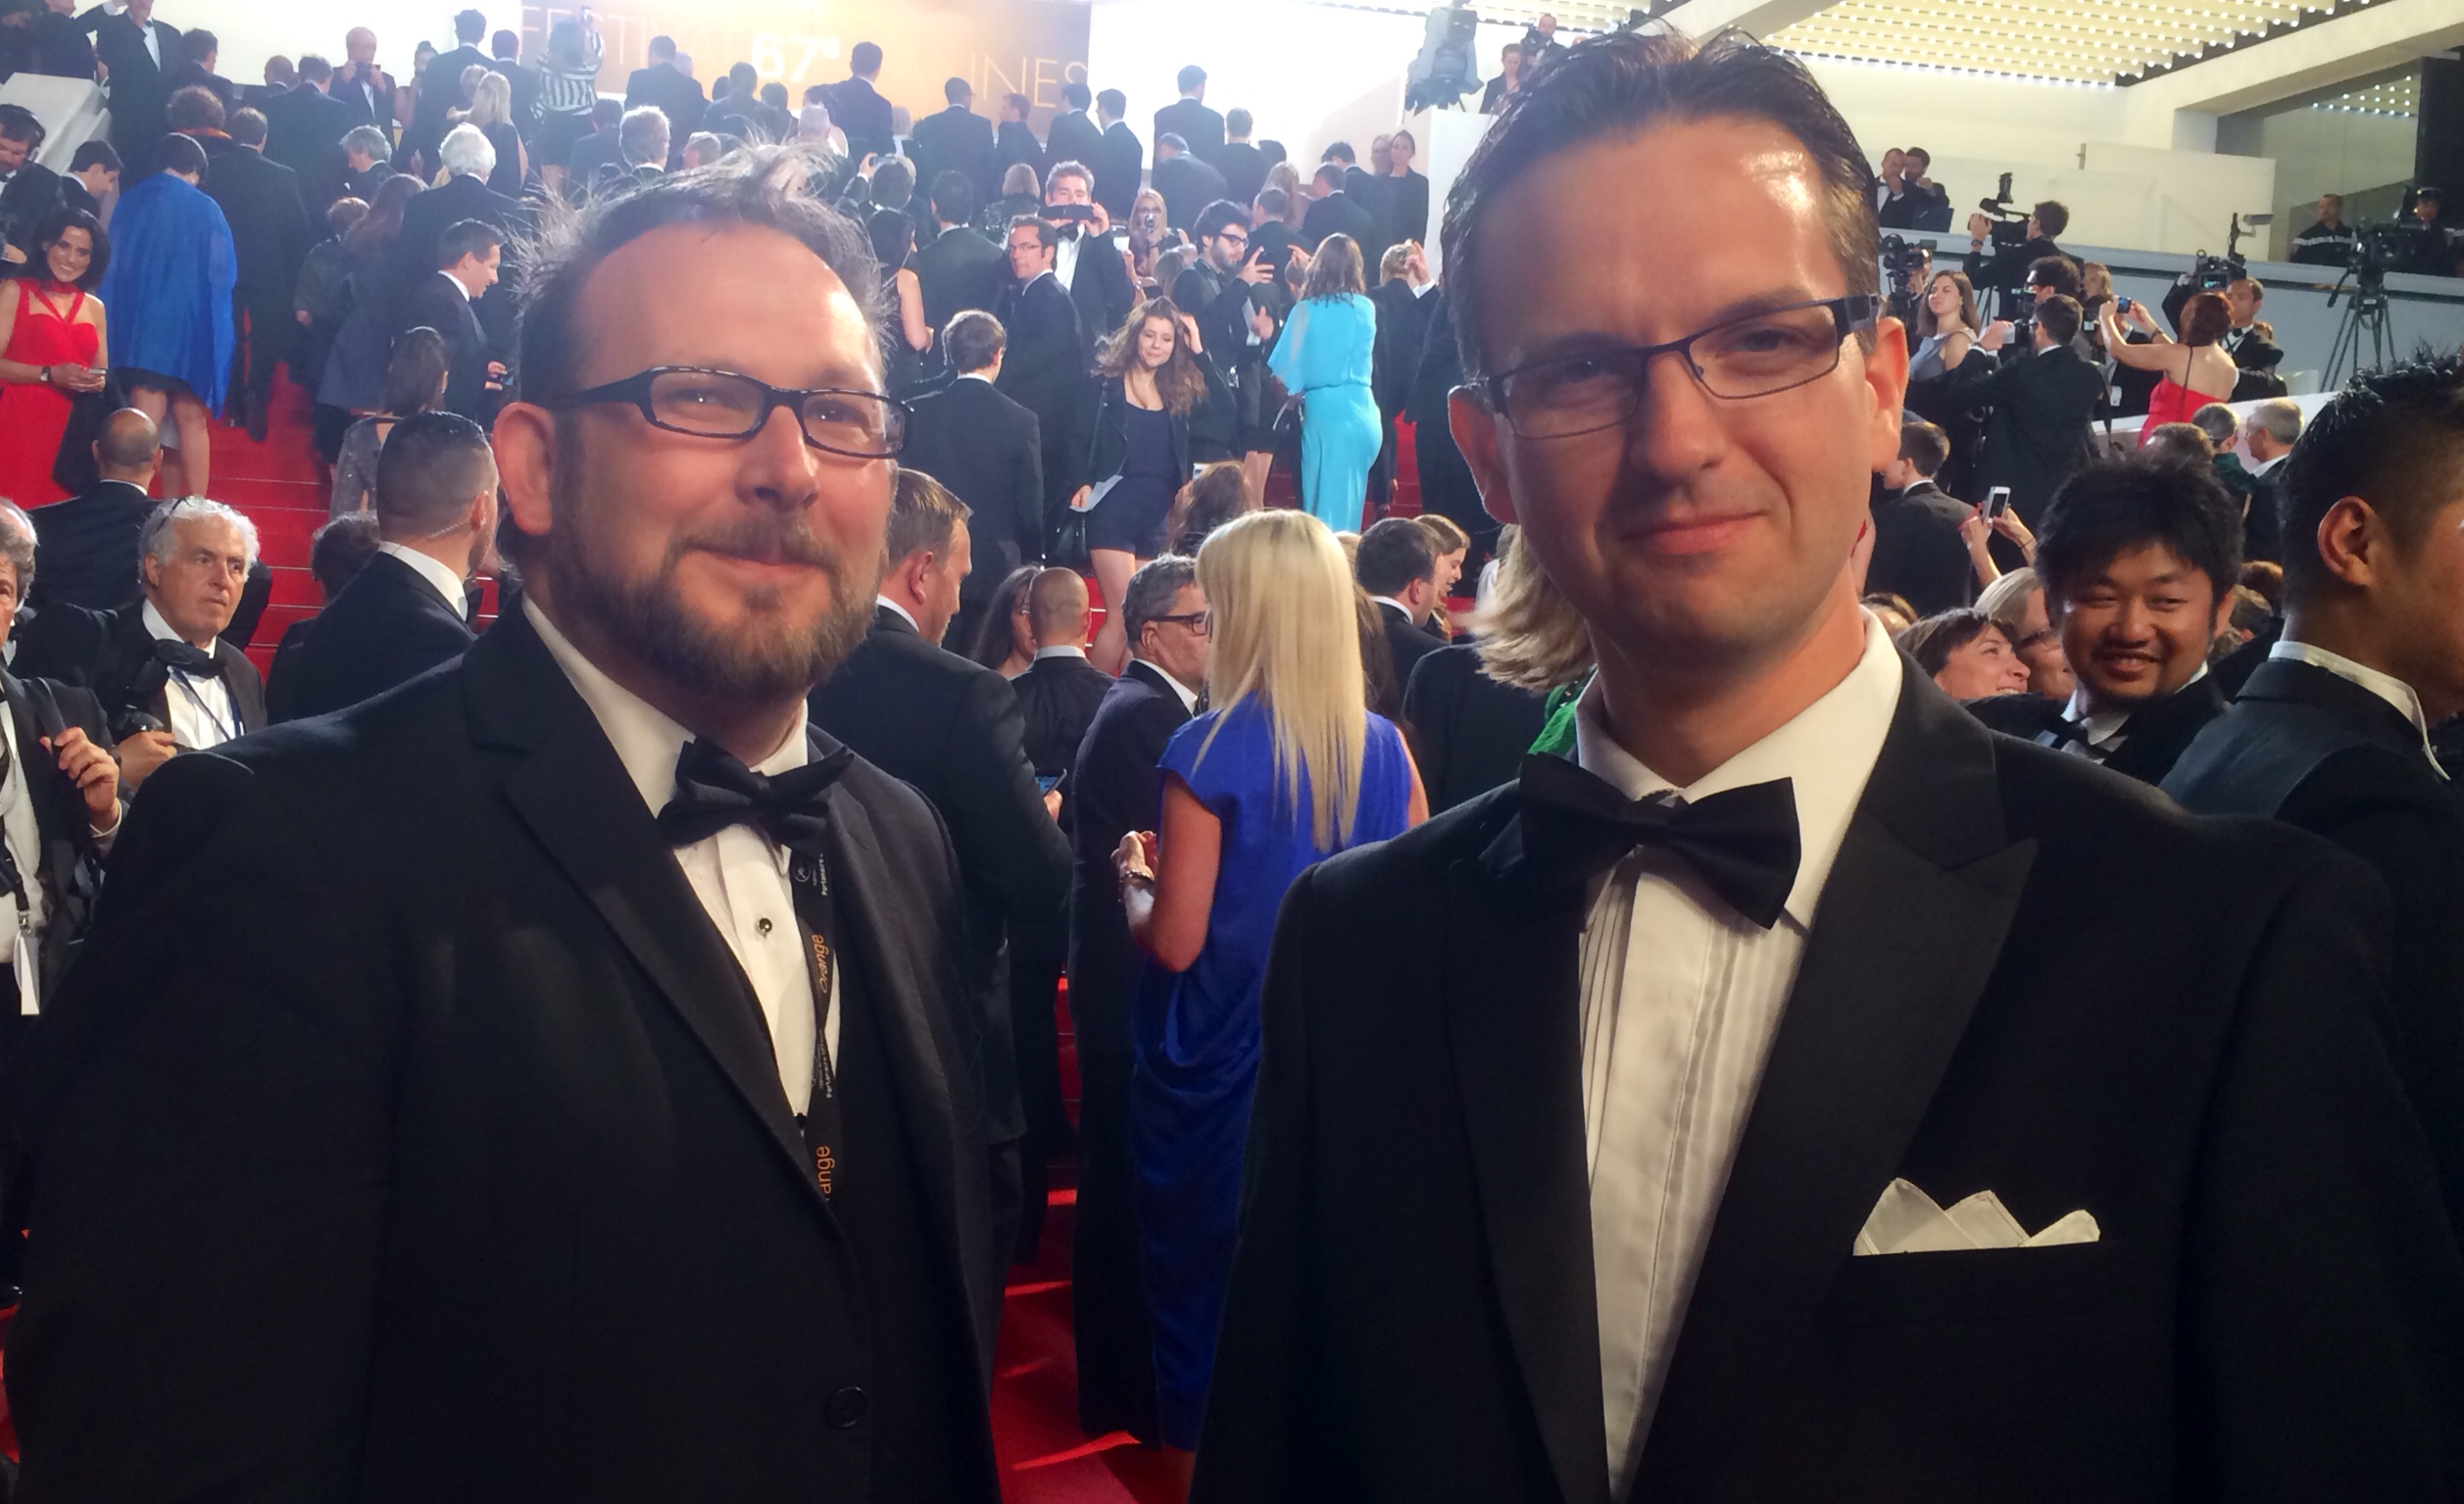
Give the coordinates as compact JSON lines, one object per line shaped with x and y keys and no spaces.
{"x":1577,"y":1100}
{"x":564,"y":1052}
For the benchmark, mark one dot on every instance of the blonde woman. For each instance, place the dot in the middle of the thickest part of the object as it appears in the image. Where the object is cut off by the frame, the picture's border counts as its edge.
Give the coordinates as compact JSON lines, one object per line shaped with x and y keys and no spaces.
{"x":1286,"y":769}
{"x":492,"y":110}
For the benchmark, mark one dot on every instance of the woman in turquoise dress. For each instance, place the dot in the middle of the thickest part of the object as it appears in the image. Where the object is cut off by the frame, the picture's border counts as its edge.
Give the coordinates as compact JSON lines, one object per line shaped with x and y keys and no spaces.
{"x":1289,"y":768}
{"x":1323,"y":359}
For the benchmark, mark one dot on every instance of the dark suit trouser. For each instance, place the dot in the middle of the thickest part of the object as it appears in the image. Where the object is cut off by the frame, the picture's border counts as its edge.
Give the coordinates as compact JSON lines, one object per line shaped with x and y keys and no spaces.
{"x":1037,"y":955}
{"x":262,"y":319}
{"x":1107,"y":1292}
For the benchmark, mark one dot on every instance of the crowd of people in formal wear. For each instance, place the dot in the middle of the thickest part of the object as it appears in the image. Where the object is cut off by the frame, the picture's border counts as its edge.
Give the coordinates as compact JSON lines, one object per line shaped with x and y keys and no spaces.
{"x":1797,"y":930}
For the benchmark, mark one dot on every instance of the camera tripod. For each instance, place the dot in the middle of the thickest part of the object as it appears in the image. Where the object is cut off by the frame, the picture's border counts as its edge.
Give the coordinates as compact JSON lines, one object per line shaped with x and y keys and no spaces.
{"x":2365,"y":317}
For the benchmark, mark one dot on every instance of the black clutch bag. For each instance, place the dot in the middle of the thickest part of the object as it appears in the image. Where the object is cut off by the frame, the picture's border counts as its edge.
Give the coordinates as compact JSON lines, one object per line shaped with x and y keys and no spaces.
{"x":72,"y":468}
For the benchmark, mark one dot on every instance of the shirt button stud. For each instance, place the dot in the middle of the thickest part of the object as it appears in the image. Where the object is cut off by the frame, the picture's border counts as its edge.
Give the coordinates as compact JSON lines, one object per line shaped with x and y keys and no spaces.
{"x":762,"y":925}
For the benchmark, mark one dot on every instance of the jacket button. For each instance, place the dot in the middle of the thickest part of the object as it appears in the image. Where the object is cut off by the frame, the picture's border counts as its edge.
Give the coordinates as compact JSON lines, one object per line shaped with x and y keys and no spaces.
{"x":847,"y":1408}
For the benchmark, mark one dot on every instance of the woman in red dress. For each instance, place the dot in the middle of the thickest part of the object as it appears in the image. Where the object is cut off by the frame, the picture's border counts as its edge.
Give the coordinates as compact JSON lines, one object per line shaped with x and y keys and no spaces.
{"x":2196,"y":369}
{"x":51,"y":348}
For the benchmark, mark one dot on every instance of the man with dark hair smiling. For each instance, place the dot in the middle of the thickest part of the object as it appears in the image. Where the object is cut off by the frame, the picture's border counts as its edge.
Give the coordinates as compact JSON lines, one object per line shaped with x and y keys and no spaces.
{"x":610,"y":1105}
{"x":2332,"y":731}
{"x":1755,"y":1105}
{"x":2139,"y":559}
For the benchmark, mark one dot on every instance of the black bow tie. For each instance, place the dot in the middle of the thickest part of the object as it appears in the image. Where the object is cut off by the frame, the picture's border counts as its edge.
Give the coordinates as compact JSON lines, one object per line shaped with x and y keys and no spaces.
{"x":1741,"y":841}
{"x":194,"y":661}
{"x":714,"y":790}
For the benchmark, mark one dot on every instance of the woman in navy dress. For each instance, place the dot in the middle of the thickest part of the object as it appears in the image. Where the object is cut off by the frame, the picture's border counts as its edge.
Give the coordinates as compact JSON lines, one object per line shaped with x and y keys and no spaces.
{"x":1138,"y":456}
{"x":1288,"y":768}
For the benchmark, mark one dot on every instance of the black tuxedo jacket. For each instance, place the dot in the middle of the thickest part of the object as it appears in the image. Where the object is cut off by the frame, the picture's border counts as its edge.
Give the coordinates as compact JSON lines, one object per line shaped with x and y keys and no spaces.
{"x":1119,"y":164}
{"x":465,"y":1123}
{"x":304,"y":127}
{"x":1402,"y":333}
{"x":1338,"y":213}
{"x":110,"y":655}
{"x":1044,"y":371}
{"x":1074,"y":137}
{"x":137,"y":91}
{"x":1195,"y":123}
{"x":1115,"y":786}
{"x":1013,"y":144}
{"x":85,"y":548}
{"x":951,"y":728}
{"x":2263,"y":517}
{"x":1406,"y":643}
{"x":270,"y":233}
{"x":1243,"y":169}
{"x":61,"y":49}
{"x":1057,"y":698}
{"x":2038,"y":433}
{"x":1101,"y":288}
{"x":388,"y":627}
{"x":988,"y":450}
{"x":958,"y":269}
{"x":426,"y":219}
{"x":372,"y":102}
{"x":858,"y":109}
{"x":190,"y":75}
{"x":2303,"y":746}
{"x":956,"y":140}
{"x":677,"y":97}
{"x":1918,"y":552}
{"x":2006,"y":267}
{"x":2152,"y":740}
{"x":434,"y":302}
{"x":69,"y":868}
{"x":1188,"y":184}
{"x":2274,"y":1310}
{"x":1469,"y":732}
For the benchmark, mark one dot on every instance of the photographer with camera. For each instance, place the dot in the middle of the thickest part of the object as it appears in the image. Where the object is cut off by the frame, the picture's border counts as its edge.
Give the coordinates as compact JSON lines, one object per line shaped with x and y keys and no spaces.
{"x":1540,"y":44}
{"x":2017,"y":245}
{"x":1908,"y":270}
{"x":2436,"y":252}
{"x":2043,"y":397}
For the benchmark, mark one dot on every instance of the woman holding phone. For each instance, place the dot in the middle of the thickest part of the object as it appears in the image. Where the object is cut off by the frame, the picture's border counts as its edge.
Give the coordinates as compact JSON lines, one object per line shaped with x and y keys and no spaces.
{"x":51,"y":350}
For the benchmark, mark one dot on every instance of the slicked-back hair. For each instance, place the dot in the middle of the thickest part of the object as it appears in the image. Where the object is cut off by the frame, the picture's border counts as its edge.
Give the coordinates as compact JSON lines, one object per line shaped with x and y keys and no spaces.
{"x":1626,"y":82}
{"x":465,"y":237}
{"x":341,"y":549}
{"x":2395,"y":439}
{"x":954,"y":197}
{"x":925,"y":517}
{"x":760,"y":185}
{"x":432,"y":465}
{"x":2109,"y":508}
{"x":1152,"y":591}
{"x":2058,"y":273}
{"x":1924,"y":446}
{"x":973,"y":340}
{"x":1394,"y":554}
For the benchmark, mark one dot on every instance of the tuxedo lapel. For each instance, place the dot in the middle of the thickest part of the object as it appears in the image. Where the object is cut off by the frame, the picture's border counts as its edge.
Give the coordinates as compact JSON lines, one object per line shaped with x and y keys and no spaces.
{"x":572,"y":792}
{"x":1910,"y":924}
{"x":1513,"y":1014}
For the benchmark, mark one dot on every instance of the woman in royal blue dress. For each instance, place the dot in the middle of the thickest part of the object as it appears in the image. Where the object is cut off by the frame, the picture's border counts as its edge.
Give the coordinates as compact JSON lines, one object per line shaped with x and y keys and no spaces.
{"x":1288,"y":768}
{"x":1324,"y":357}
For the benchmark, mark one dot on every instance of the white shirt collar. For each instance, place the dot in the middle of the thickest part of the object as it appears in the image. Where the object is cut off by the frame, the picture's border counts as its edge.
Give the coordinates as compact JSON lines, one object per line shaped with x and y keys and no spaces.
{"x":1189,"y":696}
{"x":904,"y":614}
{"x":976,"y":375}
{"x":458,"y":287}
{"x":161,"y":630}
{"x":1397,"y":605}
{"x":646,"y":740}
{"x":1041,"y":653}
{"x":434,"y":570}
{"x":2258,"y":467}
{"x":2101,"y":726}
{"x":2386,"y":686}
{"x":1826,"y":752}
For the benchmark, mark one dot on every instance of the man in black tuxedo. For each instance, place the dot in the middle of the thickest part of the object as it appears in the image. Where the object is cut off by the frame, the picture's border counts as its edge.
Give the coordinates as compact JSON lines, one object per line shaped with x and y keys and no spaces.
{"x":336,"y":553}
{"x":959,"y":268}
{"x":858,"y":108}
{"x":1333,"y":212}
{"x":524,"y":81}
{"x":140,"y":52}
{"x":465,"y":195}
{"x":305,"y":126}
{"x":60,"y":46}
{"x":958,"y":140}
{"x":1469,"y":731}
{"x":86,"y":553}
{"x":1610,"y":1168}
{"x":1200,"y":129}
{"x":1187,"y":182}
{"x":989,"y":451}
{"x":440,"y":92}
{"x":1058,"y":693}
{"x":1044,"y":364}
{"x":468,"y":261}
{"x":1118,"y":160}
{"x":744,"y":1178}
{"x":30,"y":192}
{"x":1089,"y":265}
{"x":1116,"y":787}
{"x":1014,"y":140}
{"x":2330,"y":733}
{"x":2138,"y":558}
{"x":1398,"y":566}
{"x":200,"y":49}
{"x":1242,"y":164}
{"x":402,"y":614}
{"x":270,"y":236}
{"x":365,"y":162}
{"x":2008,"y":266}
{"x":2041,"y":399}
{"x":92,"y":178}
{"x":367,"y":91}
{"x":951,"y":729}
{"x":167,"y":680}
{"x":1073,"y":137}
{"x":2268,"y":436}
{"x":664,"y":86}
{"x":1919,"y":554}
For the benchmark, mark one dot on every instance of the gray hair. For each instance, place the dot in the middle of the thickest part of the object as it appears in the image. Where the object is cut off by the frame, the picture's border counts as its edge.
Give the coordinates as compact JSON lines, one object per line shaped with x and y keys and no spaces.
{"x":2004,"y":603}
{"x":2279,"y":418}
{"x":467,"y":152}
{"x":157,"y":540}
{"x":369,"y":139}
{"x":642,"y":136}
{"x":16,"y":543}
{"x":1152,"y":589}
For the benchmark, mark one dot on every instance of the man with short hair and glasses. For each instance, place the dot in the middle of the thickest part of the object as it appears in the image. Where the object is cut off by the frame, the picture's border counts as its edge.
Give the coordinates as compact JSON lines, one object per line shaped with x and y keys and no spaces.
{"x":578,"y":1067}
{"x":1731,"y":1109}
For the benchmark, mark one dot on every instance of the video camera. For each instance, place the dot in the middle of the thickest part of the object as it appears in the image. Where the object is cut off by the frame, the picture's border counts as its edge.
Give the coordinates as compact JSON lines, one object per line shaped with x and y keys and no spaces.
{"x":1899,"y":258}
{"x":2009,"y":226}
{"x":2381,"y":248}
{"x":2214,"y":274}
{"x":1445,"y":69}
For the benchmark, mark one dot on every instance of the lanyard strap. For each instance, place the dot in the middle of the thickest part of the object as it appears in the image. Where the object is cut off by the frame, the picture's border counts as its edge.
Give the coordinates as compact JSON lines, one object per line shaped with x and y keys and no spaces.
{"x":817,"y":920}
{"x":228,"y":728}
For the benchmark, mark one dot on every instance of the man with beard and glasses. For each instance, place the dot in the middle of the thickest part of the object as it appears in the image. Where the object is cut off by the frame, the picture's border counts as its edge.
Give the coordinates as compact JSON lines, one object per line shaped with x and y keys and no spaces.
{"x":562,"y":1055}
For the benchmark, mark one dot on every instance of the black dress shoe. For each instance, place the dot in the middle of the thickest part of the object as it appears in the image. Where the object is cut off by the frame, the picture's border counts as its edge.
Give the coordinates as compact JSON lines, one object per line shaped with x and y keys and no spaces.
{"x":257,"y":419}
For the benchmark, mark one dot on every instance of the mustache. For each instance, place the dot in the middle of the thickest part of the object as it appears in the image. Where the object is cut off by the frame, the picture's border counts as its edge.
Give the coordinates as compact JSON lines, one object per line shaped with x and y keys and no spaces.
{"x":786,"y":540}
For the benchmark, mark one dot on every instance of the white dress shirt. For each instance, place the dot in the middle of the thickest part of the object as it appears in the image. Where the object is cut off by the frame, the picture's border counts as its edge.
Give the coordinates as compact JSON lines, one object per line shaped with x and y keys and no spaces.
{"x":1066,"y":260}
{"x":201,"y":711}
{"x":906,"y":615}
{"x":1064,"y":651}
{"x":2102,"y":732}
{"x":153,"y":43}
{"x":1681,"y":997}
{"x":434,"y":570}
{"x":2388,"y":686}
{"x":740,"y":874}
{"x":23,"y":835}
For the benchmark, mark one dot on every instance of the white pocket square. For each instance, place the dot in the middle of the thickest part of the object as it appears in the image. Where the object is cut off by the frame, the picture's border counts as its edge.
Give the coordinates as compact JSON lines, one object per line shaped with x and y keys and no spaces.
{"x":1906,"y":1221}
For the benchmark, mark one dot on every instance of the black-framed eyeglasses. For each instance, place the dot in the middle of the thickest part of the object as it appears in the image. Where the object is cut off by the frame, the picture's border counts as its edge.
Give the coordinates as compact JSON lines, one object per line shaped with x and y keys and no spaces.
{"x":1199,"y":623}
{"x":713,"y":403}
{"x":1755,"y":355}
